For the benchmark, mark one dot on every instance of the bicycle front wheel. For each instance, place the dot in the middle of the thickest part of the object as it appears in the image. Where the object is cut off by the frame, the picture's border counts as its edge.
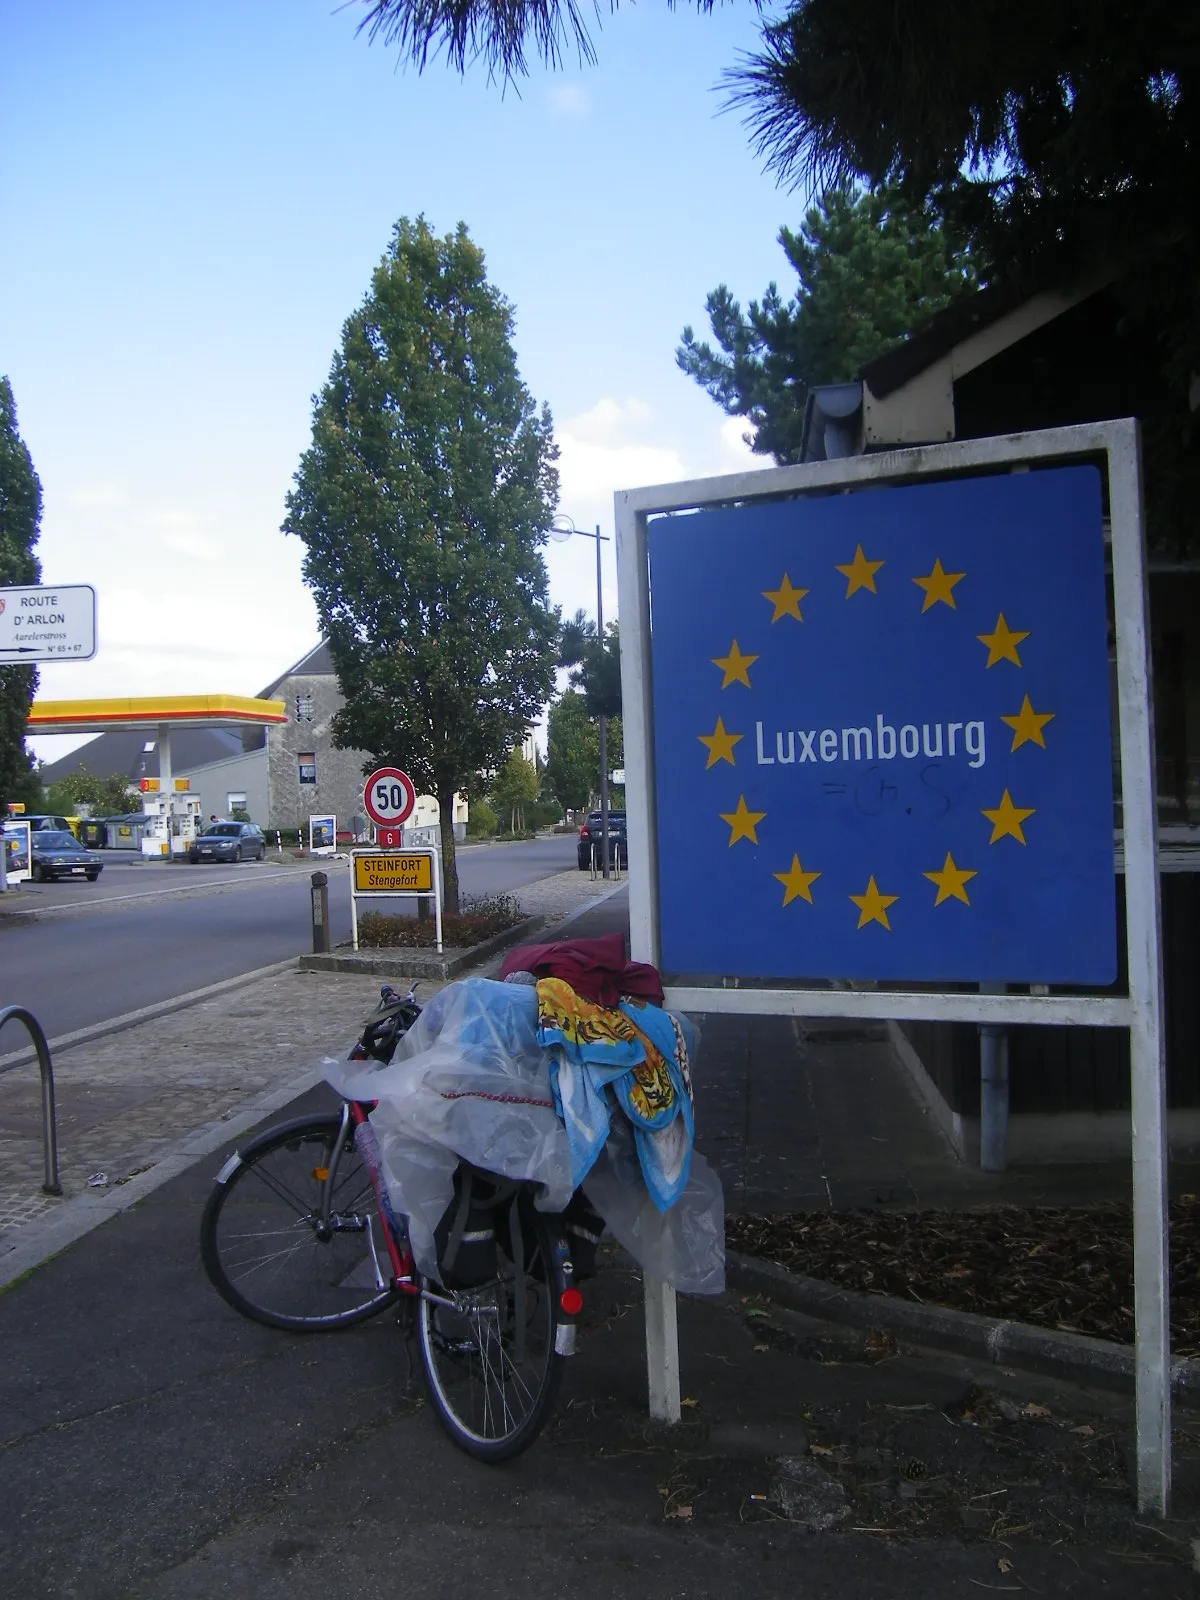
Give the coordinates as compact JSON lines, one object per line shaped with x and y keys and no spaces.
{"x":492,"y":1368}
{"x":265,"y":1244}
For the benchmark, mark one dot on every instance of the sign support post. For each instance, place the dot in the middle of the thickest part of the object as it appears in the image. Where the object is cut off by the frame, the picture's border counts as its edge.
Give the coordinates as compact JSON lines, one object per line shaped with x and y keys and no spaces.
{"x":1140,"y":1011}
{"x":413,"y":874}
{"x":1144,"y":921}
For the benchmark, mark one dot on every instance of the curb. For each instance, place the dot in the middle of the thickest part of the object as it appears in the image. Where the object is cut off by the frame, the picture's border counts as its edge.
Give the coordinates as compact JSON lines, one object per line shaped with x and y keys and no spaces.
{"x":421,"y":963}
{"x":160,"y":1008}
{"x":1075,"y":1357}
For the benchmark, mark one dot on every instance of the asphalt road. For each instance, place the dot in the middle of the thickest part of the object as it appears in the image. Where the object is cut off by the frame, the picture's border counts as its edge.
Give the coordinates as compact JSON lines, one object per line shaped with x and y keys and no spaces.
{"x":147,"y":934}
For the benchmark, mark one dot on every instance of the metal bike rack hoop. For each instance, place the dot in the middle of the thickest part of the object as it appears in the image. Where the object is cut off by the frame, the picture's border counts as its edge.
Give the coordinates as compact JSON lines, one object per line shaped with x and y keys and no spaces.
{"x":50,"y":1183}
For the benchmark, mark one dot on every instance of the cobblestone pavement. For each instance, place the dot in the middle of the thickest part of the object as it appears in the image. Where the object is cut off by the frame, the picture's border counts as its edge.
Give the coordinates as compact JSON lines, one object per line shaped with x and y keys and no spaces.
{"x":128,"y":1098}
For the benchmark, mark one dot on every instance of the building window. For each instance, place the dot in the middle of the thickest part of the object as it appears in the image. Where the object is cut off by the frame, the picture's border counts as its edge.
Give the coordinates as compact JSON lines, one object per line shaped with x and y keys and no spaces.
{"x":308,"y":767}
{"x":235,"y":802}
{"x":304,"y":708}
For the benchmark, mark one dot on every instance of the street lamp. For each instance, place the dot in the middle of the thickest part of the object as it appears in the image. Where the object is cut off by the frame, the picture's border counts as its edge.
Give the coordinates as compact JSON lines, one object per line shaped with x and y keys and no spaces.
{"x":560,"y":531}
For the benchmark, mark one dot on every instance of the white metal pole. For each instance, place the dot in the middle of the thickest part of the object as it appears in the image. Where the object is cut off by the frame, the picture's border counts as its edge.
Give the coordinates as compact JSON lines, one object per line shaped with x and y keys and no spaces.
{"x":637,"y":717}
{"x":662,"y":1350}
{"x":1151,"y":1265}
{"x":437,"y":896}
{"x":353,"y":906}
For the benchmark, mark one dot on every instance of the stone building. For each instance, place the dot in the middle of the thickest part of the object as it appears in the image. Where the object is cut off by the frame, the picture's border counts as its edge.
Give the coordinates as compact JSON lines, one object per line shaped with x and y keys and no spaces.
{"x":281,"y":775}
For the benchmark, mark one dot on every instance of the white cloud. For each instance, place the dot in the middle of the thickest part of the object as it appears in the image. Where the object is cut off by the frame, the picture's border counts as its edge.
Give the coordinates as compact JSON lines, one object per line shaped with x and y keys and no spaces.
{"x":738,"y":456}
{"x":98,"y":497}
{"x":611,"y":447}
{"x":569,"y":100}
{"x":625,"y":444}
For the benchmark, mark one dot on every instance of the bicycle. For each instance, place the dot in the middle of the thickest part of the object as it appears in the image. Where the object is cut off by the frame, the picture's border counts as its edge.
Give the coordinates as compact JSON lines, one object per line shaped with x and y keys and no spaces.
{"x":299,"y":1234}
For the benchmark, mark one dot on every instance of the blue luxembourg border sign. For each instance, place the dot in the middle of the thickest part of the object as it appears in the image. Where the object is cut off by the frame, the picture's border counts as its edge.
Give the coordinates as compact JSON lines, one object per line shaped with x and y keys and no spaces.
{"x":868,"y":735}
{"x":882,"y":745}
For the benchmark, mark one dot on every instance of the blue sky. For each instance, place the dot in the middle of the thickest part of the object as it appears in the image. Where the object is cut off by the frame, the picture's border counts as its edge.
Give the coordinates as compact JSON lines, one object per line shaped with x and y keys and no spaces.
{"x":192,"y":199}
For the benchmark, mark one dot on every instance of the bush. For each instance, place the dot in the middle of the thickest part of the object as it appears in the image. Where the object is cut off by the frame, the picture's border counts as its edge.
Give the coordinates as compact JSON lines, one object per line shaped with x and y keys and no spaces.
{"x":481,"y":820}
{"x":478,"y":920}
{"x":543,"y":814}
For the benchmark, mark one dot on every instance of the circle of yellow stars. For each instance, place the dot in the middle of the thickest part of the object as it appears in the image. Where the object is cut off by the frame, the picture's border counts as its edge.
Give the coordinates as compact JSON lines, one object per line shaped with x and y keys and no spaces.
{"x":1028,"y":726}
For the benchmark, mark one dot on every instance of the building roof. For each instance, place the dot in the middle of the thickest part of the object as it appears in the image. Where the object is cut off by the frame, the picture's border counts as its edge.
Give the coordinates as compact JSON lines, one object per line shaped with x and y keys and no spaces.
{"x":939,"y":336}
{"x":123,"y":750}
{"x":318,"y":663}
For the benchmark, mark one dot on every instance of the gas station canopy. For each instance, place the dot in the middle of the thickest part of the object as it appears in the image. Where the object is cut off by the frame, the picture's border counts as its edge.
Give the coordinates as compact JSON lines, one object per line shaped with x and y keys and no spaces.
{"x":172,"y":809}
{"x":152,"y":712}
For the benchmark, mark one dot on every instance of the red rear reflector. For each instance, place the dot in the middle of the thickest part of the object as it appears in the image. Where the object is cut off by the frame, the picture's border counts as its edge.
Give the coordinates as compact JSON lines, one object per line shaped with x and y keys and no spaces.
{"x":571,"y":1301}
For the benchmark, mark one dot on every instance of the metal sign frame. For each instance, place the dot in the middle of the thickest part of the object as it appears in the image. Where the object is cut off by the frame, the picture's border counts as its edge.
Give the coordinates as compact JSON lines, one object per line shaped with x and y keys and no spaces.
{"x":14,"y":828}
{"x":329,"y":849}
{"x":434,"y":894}
{"x":1116,"y":444}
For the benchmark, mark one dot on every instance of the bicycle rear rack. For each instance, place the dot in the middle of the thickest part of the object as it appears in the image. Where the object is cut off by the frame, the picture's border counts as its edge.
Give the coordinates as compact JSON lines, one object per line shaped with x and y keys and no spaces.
{"x":50,"y":1183}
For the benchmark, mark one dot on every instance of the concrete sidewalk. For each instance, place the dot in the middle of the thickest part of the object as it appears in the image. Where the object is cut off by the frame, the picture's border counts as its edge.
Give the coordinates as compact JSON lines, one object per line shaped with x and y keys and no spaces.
{"x":801,"y":1116}
{"x":157,"y":1445}
{"x":793,"y":1116}
{"x":140,"y":1092}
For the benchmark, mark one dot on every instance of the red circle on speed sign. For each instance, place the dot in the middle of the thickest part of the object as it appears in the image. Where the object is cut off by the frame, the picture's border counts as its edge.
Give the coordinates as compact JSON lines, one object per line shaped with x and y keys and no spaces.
{"x":389,"y":797}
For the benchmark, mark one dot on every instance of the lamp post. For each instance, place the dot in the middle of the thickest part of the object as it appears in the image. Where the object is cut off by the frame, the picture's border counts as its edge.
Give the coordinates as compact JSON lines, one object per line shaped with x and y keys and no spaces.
{"x":561,"y":530}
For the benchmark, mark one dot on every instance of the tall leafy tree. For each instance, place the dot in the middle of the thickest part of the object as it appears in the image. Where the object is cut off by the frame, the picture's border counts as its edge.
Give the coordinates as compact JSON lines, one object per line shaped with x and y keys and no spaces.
{"x":423,"y":504}
{"x":516,"y":786}
{"x":572,"y":752}
{"x":107,"y":795}
{"x":20,"y":521}
{"x":870,"y":268}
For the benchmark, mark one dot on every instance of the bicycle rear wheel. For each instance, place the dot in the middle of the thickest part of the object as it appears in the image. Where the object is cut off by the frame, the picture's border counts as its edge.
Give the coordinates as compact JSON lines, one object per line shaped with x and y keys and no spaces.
{"x":492,"y":1390}
{"x":261,"y":1238}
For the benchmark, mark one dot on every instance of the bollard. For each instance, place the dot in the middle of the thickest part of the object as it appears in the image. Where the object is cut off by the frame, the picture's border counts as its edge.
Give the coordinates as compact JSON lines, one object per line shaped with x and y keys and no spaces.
{"x":320,"y":913}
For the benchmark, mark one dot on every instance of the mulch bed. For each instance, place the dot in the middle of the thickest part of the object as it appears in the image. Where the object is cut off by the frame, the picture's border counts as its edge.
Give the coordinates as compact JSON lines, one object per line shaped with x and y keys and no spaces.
{"x":1070,"y":1269}
{"x":460,"y":930}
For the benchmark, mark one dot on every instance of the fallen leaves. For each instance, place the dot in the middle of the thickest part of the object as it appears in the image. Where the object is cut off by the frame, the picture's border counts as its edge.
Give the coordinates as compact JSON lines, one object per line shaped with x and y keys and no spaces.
{"x":1055,"y":1267}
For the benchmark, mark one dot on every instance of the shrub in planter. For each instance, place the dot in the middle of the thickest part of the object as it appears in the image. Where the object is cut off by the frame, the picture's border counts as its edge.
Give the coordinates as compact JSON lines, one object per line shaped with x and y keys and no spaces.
{"x":478,"y":920}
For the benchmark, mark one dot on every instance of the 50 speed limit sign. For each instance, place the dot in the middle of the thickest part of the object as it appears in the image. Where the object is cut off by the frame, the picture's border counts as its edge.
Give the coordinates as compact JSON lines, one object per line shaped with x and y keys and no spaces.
{"x":389,"y":797}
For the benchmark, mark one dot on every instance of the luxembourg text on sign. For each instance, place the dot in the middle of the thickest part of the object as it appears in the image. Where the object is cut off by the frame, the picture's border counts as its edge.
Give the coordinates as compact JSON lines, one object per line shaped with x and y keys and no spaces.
{"x":393,"y":874}
{"x":882,"y":734}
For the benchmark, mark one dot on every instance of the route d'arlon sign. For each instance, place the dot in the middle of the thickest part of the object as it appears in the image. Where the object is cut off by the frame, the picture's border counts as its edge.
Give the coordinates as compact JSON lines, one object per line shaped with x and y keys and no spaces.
{"x":882,"y":740}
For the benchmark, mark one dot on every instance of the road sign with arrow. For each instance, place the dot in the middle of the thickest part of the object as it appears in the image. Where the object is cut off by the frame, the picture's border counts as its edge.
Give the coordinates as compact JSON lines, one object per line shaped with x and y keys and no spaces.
{"x":42,"y":622}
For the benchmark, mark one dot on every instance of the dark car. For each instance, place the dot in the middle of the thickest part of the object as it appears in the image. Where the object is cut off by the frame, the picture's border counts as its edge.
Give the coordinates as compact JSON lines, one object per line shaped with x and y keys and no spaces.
{"x":228,"y":841}
{"x":58,"y":854}
{"x":591,"y":837}
{"x":40,"y":824}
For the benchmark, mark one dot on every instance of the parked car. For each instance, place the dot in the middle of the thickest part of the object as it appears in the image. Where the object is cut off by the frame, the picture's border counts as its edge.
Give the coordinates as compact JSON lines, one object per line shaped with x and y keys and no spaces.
{"x":57,"y":853}
{"x":228,"y":841}
{"x":591,"y":836}
{"x":40,"y":824}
